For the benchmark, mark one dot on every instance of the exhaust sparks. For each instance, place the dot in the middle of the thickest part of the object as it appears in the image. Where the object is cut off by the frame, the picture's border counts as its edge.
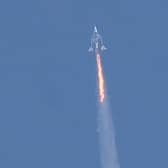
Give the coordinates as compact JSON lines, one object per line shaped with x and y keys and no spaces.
{"x":100,"y":78}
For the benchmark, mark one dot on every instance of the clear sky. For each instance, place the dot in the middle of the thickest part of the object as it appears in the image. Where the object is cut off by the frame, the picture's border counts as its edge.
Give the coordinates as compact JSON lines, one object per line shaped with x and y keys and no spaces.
{"x":48,"y":94}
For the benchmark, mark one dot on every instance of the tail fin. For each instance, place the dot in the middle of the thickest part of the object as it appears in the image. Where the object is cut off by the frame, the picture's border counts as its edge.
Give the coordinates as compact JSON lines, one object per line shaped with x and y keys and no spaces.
{"x":90,"y":49}
{"x":103,"y":48}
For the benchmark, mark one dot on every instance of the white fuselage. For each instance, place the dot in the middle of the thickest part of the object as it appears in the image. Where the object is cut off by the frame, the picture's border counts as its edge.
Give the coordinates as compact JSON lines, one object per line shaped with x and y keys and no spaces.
{"x":96,"y":42}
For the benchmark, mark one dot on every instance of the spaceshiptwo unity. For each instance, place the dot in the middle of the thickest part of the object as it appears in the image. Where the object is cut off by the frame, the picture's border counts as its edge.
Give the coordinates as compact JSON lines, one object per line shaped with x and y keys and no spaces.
{"x":96,"y":42}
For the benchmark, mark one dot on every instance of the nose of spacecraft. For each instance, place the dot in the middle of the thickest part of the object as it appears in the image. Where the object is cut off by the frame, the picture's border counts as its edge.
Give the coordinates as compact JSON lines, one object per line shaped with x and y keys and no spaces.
{"x":95,"y":29}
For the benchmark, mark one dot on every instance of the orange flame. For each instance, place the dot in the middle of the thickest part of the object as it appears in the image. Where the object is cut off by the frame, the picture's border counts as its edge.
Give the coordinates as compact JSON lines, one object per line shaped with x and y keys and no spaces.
{"x":100,"y":78}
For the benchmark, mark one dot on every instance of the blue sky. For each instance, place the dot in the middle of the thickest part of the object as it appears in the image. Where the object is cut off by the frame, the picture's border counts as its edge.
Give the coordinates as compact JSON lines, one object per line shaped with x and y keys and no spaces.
{"x":48,"y":92}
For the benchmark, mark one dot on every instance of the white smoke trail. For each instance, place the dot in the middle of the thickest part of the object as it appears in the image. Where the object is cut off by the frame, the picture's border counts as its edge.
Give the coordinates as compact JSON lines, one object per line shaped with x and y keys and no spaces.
{"x":108,"y":152}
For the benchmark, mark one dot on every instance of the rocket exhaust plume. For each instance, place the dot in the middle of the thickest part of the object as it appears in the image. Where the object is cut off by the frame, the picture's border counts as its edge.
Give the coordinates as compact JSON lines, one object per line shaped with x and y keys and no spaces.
{"x":106,"y":134}
{"x":108,"y":152}
{"x":100,"y":78}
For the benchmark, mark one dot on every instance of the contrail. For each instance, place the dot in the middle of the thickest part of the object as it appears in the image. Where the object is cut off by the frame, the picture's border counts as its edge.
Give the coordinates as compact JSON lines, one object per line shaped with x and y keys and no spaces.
{"x":108,"y":152}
